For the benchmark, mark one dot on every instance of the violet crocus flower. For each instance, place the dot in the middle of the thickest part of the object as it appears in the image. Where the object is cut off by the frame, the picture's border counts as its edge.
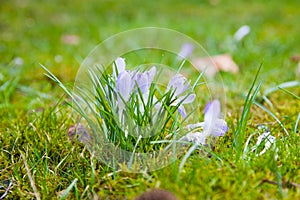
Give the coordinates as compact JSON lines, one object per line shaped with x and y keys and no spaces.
{"x":143,"y":82}
{"x":179,"y":85}
{"x":212,"y":125}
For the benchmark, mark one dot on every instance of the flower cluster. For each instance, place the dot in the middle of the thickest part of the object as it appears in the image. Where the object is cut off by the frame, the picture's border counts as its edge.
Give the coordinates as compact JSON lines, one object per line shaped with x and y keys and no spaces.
{"x":133,"y":82}
{"x":129,"y":82}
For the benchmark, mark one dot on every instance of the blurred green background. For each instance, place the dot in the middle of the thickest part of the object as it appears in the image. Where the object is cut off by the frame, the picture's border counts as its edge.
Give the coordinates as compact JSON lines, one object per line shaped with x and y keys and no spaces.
{"x":33,"y":31}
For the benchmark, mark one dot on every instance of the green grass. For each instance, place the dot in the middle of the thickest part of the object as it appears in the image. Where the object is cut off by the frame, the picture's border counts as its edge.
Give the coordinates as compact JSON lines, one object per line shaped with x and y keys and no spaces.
{"x":35,"y":118}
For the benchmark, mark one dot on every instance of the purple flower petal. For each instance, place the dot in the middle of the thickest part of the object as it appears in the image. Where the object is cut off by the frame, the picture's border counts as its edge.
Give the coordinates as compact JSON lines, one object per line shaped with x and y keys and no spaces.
{"x":211,"y":115}
{"x":196,"y":137}
{"x":120,"y":64}
{"x":189,"y":99}
{"x":123,"y":85}
{"x":151,"y":73}
{"x":179,"y":84}
{"x":206,"y":107}
{"x":182,"y":111}
{"x":220,"y":128}
{"x":186,"y":50}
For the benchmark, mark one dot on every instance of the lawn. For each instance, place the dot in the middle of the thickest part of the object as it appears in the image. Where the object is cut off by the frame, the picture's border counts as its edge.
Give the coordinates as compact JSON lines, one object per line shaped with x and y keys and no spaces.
{"x":37,"y":160}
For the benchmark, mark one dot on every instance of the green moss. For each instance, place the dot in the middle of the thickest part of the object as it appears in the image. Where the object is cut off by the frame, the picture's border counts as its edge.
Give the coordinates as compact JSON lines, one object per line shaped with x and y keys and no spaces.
{"x":33,"y":124}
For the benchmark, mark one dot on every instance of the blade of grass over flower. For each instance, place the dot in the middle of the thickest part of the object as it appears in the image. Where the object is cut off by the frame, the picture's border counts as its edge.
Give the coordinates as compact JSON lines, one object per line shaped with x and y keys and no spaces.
{"x":181,"y":65}
{"x":272,"y":115}
{"x":240,"y":132}
{"x":197,"y":80}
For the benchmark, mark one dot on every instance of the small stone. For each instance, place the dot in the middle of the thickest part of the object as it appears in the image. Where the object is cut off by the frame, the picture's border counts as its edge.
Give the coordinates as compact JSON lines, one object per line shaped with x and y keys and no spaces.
{"x":157,"y":194}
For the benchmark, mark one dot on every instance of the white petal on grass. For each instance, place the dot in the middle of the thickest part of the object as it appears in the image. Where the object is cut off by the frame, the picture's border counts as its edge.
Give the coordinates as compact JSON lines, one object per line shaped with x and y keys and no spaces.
{"x":268,"y":139}
{"x":211,"y":116}
{"x":242,"y":32}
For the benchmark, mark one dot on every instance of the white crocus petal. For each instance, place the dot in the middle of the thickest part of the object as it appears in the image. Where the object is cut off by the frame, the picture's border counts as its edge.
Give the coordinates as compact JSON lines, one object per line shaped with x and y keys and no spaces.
{"x":142,"y":82}
{"x":179,"y":84}
{"x":184,"y":100}
{"x":189,"y":99}
{"x":194,"y":126}
{"x":220,"y":128}
{"x":120,"y":65}
{"x":123,"y":86}
{"x":211,"y":116}
{"x":151,"y":74}
{"x":268,"y":139}
{"x":196,"y":137}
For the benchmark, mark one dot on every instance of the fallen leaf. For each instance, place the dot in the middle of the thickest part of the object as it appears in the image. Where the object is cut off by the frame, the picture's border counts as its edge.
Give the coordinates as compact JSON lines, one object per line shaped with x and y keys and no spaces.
{"x":70,"y":39}
{"x":295,"y":58}
{"x":214,"y":64}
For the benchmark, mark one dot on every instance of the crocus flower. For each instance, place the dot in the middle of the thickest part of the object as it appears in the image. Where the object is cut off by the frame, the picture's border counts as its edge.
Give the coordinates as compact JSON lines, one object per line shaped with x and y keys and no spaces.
{"x":127,"y":81}
{"x":179,"y":85}
{"x":212,"y":125}
{"x":143,"y":82}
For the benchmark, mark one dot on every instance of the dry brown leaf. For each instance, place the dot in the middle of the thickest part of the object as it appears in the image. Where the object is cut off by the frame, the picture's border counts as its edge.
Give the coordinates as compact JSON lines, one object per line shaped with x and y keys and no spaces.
{"x":70,"y":39}
{"x":295,"y":58}
{"x":214,"y":64}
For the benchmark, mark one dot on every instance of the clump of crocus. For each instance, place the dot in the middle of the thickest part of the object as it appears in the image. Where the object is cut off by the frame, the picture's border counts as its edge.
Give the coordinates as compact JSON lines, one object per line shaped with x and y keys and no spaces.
{"x":133,"y":113}
{"x":128,"y":110}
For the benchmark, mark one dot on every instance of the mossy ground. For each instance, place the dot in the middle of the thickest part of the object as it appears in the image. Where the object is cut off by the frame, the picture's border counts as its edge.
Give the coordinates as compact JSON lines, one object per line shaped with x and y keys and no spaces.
{"x":34,"y":118}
